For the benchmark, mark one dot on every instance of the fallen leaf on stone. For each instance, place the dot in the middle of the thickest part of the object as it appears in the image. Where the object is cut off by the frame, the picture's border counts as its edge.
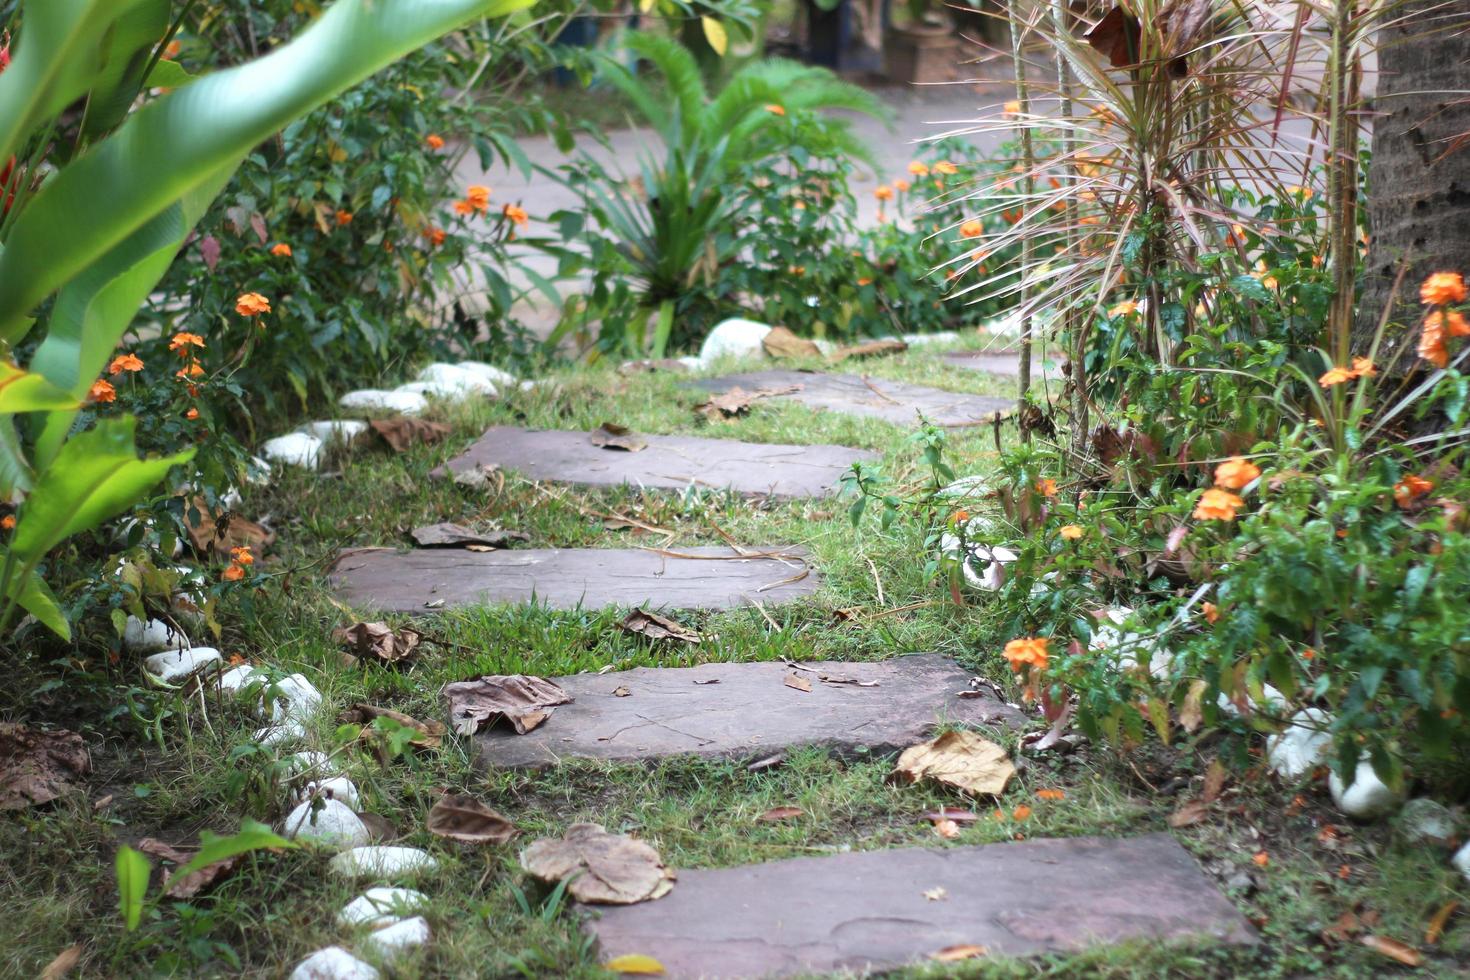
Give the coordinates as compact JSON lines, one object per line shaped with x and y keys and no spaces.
{"x":621,"y":692}
{"x":779,"y":813}
{"x":951,"y":813}
{"x":520,"y":699}
{"x":380,"y":641}
{"x":798,"y":682}
{"x":947,"y":829}
{"x":635,"y":963}
{"x":781,"y":342}
{"x":853,"y":681}
{"x":657,"y":627}
{"x":737,"y":401}
{"x":480,"y":476}
{"x":603,"y":868}
{"x":466,"y":819}
{"x":37,"y":766}
{"x":709,"y":680}
{"x":216,"y":532}
{"x":458,"y":536}
{"x":610,"y":435}
{"x":1441,"y":918}
{"x":1189,"y":814}
{"x":1394,"y":950}
{"x":64,"y":963}
{"x":402,"y":434}
{"x":960,"y":759}
{"x":870,"y":349}
{"x":430,"y":733}
{"x":953,"y":954}
{"x":936,"y":894}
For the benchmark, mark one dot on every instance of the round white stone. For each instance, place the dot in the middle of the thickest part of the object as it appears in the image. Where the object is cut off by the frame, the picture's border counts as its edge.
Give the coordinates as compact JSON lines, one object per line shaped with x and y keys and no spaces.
{"x":372,"y":399}
{"x":458,"y":381}
{"x":326,"y":822}
{"x":922,"y":339}
{"x":338,"y":788}
{"x":397,"y":939}
{"x":336,"y":432}
{"x":734,"y":338}
{"x":177,"y":665}
{"x":1426,"y":821}
{"x":333,"y":963}
{"x":1461,"y":861}
{"x":241,"y":678}
{"x":489,"y":372}
{"x":295,"y":449}
{"x":1302,"y":746}
{"x":965,"y":487}
{"x":691,"y":362}
{"x":380,"y":861}
{"x":152,"y":636}
{"x":528,"y":385}
{"x":381,"y":906}
{"x":293,"y":697}
{"x":272,"y":735}
{"x":1367,"y":798}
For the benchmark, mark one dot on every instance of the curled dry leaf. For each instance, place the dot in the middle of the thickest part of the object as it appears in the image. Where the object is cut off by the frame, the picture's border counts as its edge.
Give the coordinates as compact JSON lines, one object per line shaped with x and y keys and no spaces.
{"x":36,"y":767}
{"x":870,"y":349}
{"x":965,"y":951}
{"x":656,"y":627}
{"x":459,"y":536}
{"x":403,"y":433}
{"x":1441,"y":918}
{"x":379,"y":641}
{"x":191,"y":884}
{"x":798,"y":682}
{"x":960,"y":759}
{"x":779,"y":813}
{"x":153,"y":847}
{"x":1394,"y":950}
{"x":781,"y":342}
{"x":430,"y":733}
{"x":520,"y":699}
{"x":217,"y":531}
{"x":737,"y":401}
{"x":64,"y":963}
{"x":610,"y":435}
{"x":603,"y":868}
{"x":1189,"y":814}
{"x":465,"y":819}
{"x":951,"y":813}
{"x":621,"y":692}
{"x":852,"y":681}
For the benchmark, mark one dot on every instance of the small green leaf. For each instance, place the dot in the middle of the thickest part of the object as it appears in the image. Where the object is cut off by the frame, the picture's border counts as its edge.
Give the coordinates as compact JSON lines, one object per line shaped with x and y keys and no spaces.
{"x":132,"y":870}
{"x":252,"y":837}
{"x":714,"y":33}
{"x":167,"y":74}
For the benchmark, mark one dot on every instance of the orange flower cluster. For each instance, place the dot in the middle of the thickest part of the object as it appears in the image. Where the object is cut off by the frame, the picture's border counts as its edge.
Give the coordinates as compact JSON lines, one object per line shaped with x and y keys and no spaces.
{"x":1211,"y":612}
{"x":1071,"y":532}
{"x":102,"y":392}
{"x":7,"y":522}
{"x":434,"y":141}
{"x":1126,"y":308}
{"x":945,"y":168}
{"x":435,"y":236}
{"x":1046,"y":486}
{"x":919,"y":168}
{"x":476,"y":200}
{"x":250,"y":304}
{"x":343,"y":218}
{"x":1361,"y":367}
{"x":240,"y":559}
{"x":516,"y":214}
{"x":901,"y":185}
{"x":183,"y":344}
{"x":1029,"y":650}
{"x":1235,"y":473}
{"x":281,"y":250}
{"x":972,"y":229}
{"x":776,"y":110}
{"x":883,"y":192}
{"x":1217,"y":505}
{"x":125,"y":362}
{"x":1441,"y":289}
{"x":1407,"y":491}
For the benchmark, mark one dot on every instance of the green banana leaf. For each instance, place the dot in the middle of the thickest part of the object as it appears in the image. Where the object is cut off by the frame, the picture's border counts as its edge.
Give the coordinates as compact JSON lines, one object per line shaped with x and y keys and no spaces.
{"x":130,"y":47}
{"x":35,"y":598}
{"x":183,"y":141}
{"x":27,"y":391}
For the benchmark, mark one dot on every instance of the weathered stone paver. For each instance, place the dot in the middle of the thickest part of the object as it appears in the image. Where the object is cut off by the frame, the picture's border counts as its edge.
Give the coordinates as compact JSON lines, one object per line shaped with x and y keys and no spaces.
{"x":892,"y":401}
{"x":747,"y":710}
{"x":683,"y":578}
{"x":869,"y":912}
{"x":993,"y":362}
{"x":667,"y":462}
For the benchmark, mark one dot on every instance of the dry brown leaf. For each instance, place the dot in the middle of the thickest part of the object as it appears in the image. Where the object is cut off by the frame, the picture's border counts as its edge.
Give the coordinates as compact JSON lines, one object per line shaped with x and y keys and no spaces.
{"x":657,"y":627}
{"x":798,"y":682}
{"x":852,"y":681}
{"x":603,"y":868}
{"x":191,"y":884}
{"x":769,"y":762}
{"x":960,"y":759}
{"x":1191,"y":712}
{"x":1394,"y":950}
{"x":379,"y":827}
{"x":709,"y":680}
{"x":870,"y":349}
{"x":430,"y":733}
{"x":610,"y":435}
{"x":520,"y":699}
{"x":951,"y":813}
{"x":779,"y":813}
{"x":1215,"y":777}
{"x":216,"y":532}
{"x":154,"y":847}
{"x":953,"y":954}
{"x":459,"y":536}
{"x":780,"y":342}
{"x":622,"y":692}
{"x":1441,"y":918}
{"x":1189,"y":814}
{"x":36,"y":767}
{"x":64,"y":963}
{"x":402,"y":434}
{"x":379,"y":640}
{"x":465,"y":819}
{"x":1347,"y":925}
{"x":737,"y":401}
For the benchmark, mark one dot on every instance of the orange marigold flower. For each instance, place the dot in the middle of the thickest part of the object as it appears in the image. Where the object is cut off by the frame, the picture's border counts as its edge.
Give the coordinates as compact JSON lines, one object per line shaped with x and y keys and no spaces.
{"x":864,"y":281}
{"x":1235,"y":473}
{"x":1050,"y":794}
{"x":1126,"y":308}
{"x":435,"y":236}
{"x":1071,"y":532}
{"x":192,"y":414}
{"x":233,"y":574}
{"x":435,"y":141}
{"x":1029,"y":650}
{"x":1211,"y":612}
{"x":883,"y":192}
{"x":944,"y":167}
{"x":478,"y":197}
{"x":1431,"y":341}
{"x":1443,"y":287}
{"x":463,"y":207}
{"x":252,"y":304}
{"x":181,"y":343}
{"x":281,"y":250}
{"x":242,"y":555}
{"x":901,"y":186}
{"x":972,"y":229}
{"x":1012,"y":108}
{"x":1046,"y":486}
{"x":1363,"y":367}
{"x":776,"y":110}
{"x":1335,"y":376}
{"x":516,"y":214}
{"x":344,"y":217}
{"x":125,"y":362}
{"x":1217,"y":505}
{"x":192,"y":371}
{"x":1261,"y":859}
{"x":919,"y":168}
{"x":102,"y":391}
{"x":958,"y":516}
{"x":1021,"y":813}
{"x":1410,"y":489}
{"x":7,"y":523}
{"x":1449,"y":323}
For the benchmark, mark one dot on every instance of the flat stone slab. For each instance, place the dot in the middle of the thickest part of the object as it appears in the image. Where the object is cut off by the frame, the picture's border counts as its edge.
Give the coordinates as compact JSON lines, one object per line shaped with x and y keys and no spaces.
{"x":667,"y":463}
{"x":851,"y":394}
{"x":747,"y":710}
{"x":568,"y":578}
{"x":992,"y":362}
{"x":868,"y":912}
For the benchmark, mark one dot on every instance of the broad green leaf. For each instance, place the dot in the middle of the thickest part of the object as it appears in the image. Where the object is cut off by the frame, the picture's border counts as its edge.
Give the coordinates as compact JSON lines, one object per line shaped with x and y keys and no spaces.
{"x":168,"y":74}
{"x":171,"y":147}
{"x":15,"y":472}
{"x":714,"y":33}
{"x":252,"y":837}
{"x":129,"y":46}
{"x":28,"y":391}
{"x":96,"y":475}
{"x":132,"y":884}
{"x":35,"y":598}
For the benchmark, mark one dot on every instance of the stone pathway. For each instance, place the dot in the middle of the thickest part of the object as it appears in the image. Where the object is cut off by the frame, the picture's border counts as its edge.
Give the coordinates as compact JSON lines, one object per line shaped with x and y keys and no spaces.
{"x":686,"y":578}
{"x":749,"y":710}
{"x":851,"y":394}
{"x":666,"y":462}
{"x":881,"y":910}
{"x":1005,"y":364}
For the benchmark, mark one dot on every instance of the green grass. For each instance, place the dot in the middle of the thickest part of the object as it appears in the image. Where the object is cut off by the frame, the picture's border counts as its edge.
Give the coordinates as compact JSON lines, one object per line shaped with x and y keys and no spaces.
{"x":489,"y":920}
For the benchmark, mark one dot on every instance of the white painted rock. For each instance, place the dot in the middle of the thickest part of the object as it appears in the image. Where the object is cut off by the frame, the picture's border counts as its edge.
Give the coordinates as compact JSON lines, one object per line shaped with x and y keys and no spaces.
{"x":691,"y":362}
{"x":295,"y":449}
{"x":734,"y":338}
{"x":1368,"y":798}
{"x":335,"y":432}
{"x":395,"y":940}
{"x":1302,"y":746}
{"x":965,"y":488}
{"x":528,"y":385}
{"x":1461,"y":861}
{"x":239,"y":679}
{"x":984,"y":564}
{"x":922,"y":339}
{"x":326,"y":822}
{"x":378,"y":907}
{"x":152,"y":636}
{"x":1271,"y":700}
{"x":338,"y":788}
{"x":293,"y":697}
{"x":380,"y":861}
{"x":333,"y":963}
{"x":372,"y":399}
{"x":174,"y":666}
{"x":282,"y":734}
{"x":489,"y":372}
{"x":458,"y":381}
{"x":1425,"y":821}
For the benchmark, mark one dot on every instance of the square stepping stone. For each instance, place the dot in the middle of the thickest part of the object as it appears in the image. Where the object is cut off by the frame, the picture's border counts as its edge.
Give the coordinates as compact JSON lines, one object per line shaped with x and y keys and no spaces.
{"x":856,"y":913}
{"x":851,"y":394}
{"x":749,"y":710}
{"x":569,"y":578}
{"x":998,"y":362}
{"x":667,"y":462}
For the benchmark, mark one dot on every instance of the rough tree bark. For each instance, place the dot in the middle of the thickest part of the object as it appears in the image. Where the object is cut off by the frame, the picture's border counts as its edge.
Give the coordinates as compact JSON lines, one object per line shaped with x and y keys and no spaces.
{"x":1419,"y":177}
